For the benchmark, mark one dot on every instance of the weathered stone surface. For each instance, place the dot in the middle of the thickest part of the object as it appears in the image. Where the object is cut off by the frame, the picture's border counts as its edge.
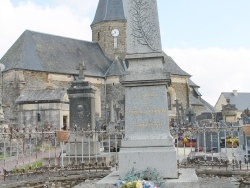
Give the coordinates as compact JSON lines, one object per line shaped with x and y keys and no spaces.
{"x":163,"y":159}
{"x":142,"y":26}
{"x":147,"y":141}
{"x":82,"y":104}
{"x":146,"y":117}
{"x":101,"y":33}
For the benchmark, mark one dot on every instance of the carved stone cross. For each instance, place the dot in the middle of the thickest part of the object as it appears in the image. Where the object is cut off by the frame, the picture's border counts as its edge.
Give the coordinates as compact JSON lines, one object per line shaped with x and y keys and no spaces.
{"x":81,"y":69}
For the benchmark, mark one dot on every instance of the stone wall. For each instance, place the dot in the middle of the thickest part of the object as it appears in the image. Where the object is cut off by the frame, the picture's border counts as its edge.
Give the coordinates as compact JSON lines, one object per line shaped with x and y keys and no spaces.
{"x":16,"y":81}
{"x":101,"y":33}
{"x":49,"y":114}
{"x":181,"y":90}
{"x":106,"y":90}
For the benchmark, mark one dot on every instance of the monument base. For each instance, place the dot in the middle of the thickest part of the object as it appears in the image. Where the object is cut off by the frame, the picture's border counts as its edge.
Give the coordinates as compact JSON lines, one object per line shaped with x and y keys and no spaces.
{"x":163,"y":159}
{"x":187,"y":178}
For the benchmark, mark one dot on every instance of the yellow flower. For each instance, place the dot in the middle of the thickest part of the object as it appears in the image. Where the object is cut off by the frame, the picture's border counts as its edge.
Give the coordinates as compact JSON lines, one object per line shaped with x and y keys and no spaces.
{"x":129,"y":184}
{"x":138,"y":184}
{"x":185,"y":140}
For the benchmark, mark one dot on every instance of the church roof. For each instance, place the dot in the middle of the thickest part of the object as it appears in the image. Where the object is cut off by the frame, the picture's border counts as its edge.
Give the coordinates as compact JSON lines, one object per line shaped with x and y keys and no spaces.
{"x":241,"y":100}
{"x":207,"y":107}
{"x":43,"y":96}
{"x":116,"y":69}
{"x":194,"y":101}
{"x":109,"y":10}
{"x":173,"y":68}
{"x":191,"y":83}
{"x":50,"y":53}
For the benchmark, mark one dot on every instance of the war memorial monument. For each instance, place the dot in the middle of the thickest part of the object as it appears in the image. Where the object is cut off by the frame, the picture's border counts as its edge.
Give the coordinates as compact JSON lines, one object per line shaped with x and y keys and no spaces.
{"x":147,"y":142}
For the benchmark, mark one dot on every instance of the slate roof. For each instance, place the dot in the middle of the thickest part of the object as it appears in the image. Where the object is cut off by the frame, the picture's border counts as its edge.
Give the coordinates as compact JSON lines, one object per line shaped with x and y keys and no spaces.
{"x":42,"y":96}
{"x":191,"y":83}
{"x":241,"y":100}
{"x":172,"y":67}
{"x":207,"y":107}
{"x":116,"y":69}
{"x":109,"y":10}
{"x":50,"y":53}
{"x":194,"y":101}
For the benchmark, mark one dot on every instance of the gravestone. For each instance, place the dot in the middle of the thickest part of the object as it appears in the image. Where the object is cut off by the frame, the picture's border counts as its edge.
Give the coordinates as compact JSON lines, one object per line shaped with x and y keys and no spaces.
{"x":229,"y":112}
{"x":82,"y":116}
{"x":147,"y":142}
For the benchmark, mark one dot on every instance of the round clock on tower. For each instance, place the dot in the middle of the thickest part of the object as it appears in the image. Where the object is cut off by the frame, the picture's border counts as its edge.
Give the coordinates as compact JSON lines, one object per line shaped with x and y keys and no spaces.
{"x":115,"y":34}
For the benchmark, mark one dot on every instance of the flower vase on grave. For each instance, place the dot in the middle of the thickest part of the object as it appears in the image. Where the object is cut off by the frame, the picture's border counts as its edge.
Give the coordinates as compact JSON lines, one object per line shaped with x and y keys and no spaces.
{"x":62,"y":136}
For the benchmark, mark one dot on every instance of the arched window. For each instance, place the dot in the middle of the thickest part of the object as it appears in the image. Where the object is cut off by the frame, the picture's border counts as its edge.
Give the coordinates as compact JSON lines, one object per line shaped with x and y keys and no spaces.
{"x":98,"y":36}
{"x":169,"y":101}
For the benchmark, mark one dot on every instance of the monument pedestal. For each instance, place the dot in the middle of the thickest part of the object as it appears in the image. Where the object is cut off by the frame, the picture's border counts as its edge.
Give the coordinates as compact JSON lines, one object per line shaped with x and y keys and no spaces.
{"x":187,"y":178}
{"x":147,"y":142}
{"x":161,"y":158}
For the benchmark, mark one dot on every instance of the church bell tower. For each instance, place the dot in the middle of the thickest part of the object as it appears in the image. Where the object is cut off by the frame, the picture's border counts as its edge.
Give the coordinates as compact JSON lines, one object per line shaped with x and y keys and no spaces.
{"x":109,"y":28}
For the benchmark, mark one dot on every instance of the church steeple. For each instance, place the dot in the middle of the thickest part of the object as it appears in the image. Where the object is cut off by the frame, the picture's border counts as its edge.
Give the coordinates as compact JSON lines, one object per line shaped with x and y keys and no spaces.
{"x":109,"y":10}
{"x":110,"y":17}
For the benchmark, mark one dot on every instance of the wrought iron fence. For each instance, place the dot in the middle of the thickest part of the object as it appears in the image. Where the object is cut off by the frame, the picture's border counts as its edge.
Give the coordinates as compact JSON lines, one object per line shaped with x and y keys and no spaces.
{"x":33,"y":152}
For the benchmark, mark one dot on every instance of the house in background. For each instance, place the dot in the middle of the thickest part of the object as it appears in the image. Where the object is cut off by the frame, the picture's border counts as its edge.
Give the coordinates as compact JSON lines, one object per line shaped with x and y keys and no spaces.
{"x":239,"y":99}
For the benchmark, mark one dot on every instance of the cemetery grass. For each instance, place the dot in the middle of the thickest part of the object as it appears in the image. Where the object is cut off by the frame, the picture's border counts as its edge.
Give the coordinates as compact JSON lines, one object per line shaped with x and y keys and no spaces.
{"x":33,"y":166}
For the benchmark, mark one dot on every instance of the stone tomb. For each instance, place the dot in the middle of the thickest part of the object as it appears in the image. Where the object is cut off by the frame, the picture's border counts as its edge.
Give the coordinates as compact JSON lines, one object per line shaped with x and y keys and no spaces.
{"x":82,"y":116}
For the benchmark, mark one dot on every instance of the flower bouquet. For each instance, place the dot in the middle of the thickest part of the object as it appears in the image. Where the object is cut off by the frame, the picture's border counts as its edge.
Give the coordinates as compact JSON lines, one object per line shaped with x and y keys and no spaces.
{"x":148,"y":178}
{"x":232,"y":142}
{"x":136,"y":184}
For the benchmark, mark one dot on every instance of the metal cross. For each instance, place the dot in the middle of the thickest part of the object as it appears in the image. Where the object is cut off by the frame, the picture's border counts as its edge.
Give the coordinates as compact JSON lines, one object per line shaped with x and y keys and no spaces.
{"x":189,"y":115}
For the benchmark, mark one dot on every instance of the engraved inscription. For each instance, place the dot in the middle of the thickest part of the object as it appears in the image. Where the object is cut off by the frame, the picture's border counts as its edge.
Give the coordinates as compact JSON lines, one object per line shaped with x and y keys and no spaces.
{"x":153,"y":111}
{"x":147,"y":95}
{"x":147,"y":125}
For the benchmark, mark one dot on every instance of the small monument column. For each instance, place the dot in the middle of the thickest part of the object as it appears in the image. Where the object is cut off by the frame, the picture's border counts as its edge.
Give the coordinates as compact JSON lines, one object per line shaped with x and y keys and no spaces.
{"x":147,"y":141}
{"x":82,"y":115}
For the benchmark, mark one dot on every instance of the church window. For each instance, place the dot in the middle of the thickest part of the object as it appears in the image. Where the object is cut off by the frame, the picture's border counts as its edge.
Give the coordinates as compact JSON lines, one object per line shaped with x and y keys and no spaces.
{"x":38,"y":117}
{"x":169,"y":101}
{"x":98,"y":36}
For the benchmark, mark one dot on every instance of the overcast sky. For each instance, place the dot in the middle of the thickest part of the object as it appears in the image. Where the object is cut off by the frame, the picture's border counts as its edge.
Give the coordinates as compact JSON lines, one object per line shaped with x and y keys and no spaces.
{"x":209,"y":39}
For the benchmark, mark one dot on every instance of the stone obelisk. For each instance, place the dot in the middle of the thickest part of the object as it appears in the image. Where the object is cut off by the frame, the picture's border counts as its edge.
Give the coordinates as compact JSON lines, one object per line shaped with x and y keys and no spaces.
{"x":147,"y":142}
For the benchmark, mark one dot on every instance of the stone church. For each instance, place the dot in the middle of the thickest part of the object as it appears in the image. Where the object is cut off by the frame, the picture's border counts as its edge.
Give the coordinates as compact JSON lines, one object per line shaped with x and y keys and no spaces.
{"x":39,"y":68}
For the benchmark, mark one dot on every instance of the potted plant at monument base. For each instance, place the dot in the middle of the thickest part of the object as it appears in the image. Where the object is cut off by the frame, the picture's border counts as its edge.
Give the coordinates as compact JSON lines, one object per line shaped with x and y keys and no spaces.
{"x":232,"y":142}
{"x":62,"y":135}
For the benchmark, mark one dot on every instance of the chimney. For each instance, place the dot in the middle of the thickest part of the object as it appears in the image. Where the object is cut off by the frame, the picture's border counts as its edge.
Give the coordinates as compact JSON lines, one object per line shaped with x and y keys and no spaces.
{"x":235,"y":93}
